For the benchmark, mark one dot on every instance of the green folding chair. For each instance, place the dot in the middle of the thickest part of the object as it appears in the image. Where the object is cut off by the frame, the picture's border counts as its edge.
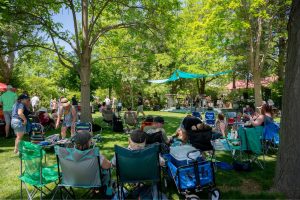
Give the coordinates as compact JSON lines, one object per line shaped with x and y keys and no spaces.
{"x":138,"y":166}
{"x":251,"y":147}
{"x":34,"y":173}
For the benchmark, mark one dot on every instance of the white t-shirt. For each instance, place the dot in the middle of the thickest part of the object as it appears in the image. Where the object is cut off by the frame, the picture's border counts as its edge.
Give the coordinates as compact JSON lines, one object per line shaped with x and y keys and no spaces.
{"x":107,"y":101}
{"x":35,"y":101}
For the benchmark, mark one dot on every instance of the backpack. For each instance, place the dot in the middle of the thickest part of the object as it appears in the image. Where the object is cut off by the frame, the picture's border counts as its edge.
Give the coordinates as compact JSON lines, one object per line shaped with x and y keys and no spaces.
{"x":117,"y":124}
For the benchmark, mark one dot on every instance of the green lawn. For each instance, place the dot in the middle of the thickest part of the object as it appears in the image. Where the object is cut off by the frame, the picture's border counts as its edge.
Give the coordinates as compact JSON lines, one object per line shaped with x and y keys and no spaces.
{"x":233,"y":185}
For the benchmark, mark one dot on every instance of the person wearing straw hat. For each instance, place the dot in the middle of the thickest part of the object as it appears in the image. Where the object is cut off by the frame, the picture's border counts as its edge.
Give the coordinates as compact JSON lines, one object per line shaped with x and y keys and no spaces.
{"x":8,"y":99}
{"x":69,"y":117}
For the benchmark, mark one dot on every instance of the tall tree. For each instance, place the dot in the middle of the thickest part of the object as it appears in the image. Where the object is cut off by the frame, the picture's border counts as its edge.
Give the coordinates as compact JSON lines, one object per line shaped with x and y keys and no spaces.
{"x":287,"y":171}
{"x":97,"y":19}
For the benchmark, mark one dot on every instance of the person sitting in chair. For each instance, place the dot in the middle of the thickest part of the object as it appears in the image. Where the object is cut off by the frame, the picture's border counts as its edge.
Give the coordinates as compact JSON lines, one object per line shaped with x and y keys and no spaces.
{"x":137,"y":141}
{"x":108,"y":114}
{"x":157,"y":127}
{"x":130,"y":117}
{"x":181,"y":138}
{"x":147,"y":122}
{"x":266,"y":114}
{"x":220,"y":128}
{"x":83,"y":141}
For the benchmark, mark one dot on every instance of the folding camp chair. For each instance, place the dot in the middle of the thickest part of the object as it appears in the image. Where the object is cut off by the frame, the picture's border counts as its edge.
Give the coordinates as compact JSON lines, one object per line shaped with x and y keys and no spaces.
{"x":231,"y":118}
{"x":136,"y":166}
{"x":250,"y":145}
{"x":210,"y":118}
{"x":271,"y":136}
{"x":197,"y":114}
{"x":88,"y":127}
{"x":35,"y":173}
{"x":79,"y":169}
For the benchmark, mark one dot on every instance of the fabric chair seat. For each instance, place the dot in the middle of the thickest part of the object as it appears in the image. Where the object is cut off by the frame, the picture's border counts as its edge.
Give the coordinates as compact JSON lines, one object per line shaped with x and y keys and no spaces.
{"x":49,"y":175}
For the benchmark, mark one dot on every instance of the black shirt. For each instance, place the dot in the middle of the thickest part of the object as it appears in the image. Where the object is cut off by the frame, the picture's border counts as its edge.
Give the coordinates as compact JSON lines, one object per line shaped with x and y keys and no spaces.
{"x":140,"y":101}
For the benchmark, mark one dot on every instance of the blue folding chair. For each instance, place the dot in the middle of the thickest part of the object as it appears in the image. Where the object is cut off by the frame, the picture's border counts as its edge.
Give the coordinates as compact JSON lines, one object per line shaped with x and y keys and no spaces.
{"x":271,"y":136}
{"x":197,"y":114}
{"x":210,"y":118}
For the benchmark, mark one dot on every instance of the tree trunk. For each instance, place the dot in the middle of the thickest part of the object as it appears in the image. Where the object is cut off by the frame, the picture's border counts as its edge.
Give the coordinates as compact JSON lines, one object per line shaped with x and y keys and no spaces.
{"x":288,"y":162}
{"x":202,"y":85}
{"x":198,"y":86}
{"x":281,"y":58}
{"x":109,"y":91}
{"x":85,"y":77}
{"x":257,"y":87}
{"x":85,"y":67}
{"x":233,"y":81}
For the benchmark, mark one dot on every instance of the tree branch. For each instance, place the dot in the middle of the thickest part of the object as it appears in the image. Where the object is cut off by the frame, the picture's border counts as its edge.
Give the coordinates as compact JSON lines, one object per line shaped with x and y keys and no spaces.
{"x":95,"y":19}
{"x":75,"y":27}
{"x":109,"y":28}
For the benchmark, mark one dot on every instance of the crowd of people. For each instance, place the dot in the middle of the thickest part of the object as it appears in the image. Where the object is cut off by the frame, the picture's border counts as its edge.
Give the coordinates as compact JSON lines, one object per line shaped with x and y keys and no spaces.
{"x":64,"y":114}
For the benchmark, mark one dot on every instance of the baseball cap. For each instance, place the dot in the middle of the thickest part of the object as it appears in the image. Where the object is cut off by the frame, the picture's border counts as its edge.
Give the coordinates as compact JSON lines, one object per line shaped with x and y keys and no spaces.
{"x":159,"y":120}
{"x":137,"y":136}
{"x":23,"y":96}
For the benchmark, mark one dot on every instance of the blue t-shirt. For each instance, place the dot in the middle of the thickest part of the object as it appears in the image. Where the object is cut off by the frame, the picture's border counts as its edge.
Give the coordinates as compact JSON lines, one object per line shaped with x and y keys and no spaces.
{"x":16,"y":107}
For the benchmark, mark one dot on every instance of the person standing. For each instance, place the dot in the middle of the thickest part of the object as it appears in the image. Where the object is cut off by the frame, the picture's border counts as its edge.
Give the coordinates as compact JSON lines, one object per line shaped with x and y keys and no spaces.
{"x":107,"y":101}
{"x":35,"y":100}
{"x":140,"y":108}
{"x":8,"y":99}
{"x":69,"y":117}
{"x":75,"y":103}
{"x":19,"y":119}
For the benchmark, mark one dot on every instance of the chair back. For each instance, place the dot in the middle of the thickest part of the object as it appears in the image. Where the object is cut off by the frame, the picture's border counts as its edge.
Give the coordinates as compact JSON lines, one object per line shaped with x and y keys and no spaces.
{"x":79,"y":168}
{"x":138,"y":165}
{"x":37,"y":127}
{"x":231,"y":117}
{"x":130,"y":118}
{"x":271,"y":132}
{"x":197,"y":114}
{"x":31,"y":155}
{"x":251,"y":139}
{"x":108,"y":115}
{"x":210,"y":118}
{"x":81,"y":126}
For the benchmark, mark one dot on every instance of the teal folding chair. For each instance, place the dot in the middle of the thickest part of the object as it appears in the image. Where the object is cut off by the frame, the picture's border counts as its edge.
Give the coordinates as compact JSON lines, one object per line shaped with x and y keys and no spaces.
{"x":79,"y":169}
{"x":138,"y":166}
{"x":250,"y":145}
{"x":34,"y":172}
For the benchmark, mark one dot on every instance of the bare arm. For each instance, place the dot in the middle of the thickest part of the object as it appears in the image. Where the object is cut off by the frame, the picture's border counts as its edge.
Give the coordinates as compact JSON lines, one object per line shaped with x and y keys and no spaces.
{"x":58,"y":117}
{"x":21,"y":114}
{"x":106,"y":164}
{"x":223,"y":128}
{"x":74,"y":115}
{"x":258,"y":121}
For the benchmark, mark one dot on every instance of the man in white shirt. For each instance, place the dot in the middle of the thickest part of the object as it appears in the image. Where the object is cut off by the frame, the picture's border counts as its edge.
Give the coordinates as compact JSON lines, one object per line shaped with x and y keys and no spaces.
{"x":107,"y":101}
{"x":35,"y":102}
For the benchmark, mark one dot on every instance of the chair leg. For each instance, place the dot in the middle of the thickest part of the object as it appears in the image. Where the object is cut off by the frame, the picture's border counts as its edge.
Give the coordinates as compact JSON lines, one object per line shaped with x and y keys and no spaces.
{"x":41,"y":197}
{"x":21,"y":190}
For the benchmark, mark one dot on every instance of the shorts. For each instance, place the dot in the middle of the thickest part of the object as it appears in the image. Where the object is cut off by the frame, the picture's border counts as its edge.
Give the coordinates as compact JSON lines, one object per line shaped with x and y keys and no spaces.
{"x":140,"y":108}
{"x":18,"y":126}
{"x":7,"y":116}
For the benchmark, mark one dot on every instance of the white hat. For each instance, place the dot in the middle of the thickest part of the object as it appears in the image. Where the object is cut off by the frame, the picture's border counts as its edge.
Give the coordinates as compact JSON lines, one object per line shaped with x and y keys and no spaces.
{"x":9,"y":87}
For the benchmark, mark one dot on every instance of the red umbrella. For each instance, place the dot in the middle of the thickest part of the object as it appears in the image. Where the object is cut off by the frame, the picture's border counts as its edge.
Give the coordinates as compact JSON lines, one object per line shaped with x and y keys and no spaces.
{"x":3,"y":87}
